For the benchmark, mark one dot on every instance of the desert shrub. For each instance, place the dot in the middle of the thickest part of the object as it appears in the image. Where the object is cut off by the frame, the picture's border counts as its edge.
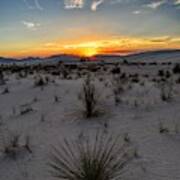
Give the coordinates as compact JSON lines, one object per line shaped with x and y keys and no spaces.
{"x":14,"y":110}
{"x":1,"y":120}
{"x":123,"y":76}
{"x":35,"y":99}
{"x":101,"y":79}
{"x":118,"y":91}
{"x":135,"y":78}
{"x":116,"y":70}
{"x":127,"y":138}
{"x":178,"y":80}
{"x":40,"y":82}
{"x":153,"y":63}
{"x":119,"y":85}
{"x":42,"y":118}
{"x":25,"y":108}
{"x":47,"y":79}
{"x":64,"y":71}
{"x":2,"y":80}
{"x":176,"y":128}
{"x":12,"y":147}
{"x":56,"y":99}
{"x":163,"y":129}
{"x":5,"y":91}
{"x":22,"y":74}
{"x":125,"y":62}
{"x":27,"y":145}
{"x":146,"y":75}
{"x":176,"y":69}
{"x":55,"y":73}
{"x":168,"y":74}
{"x":161,"y":73}
{"x":99,"y":158}
{"x":154,"y":80}
{"x":166,"y":89}
{"x":88,"y":97}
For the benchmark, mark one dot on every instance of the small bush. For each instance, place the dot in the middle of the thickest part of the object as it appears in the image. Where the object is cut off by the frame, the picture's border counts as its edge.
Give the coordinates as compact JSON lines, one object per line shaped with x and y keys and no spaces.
{"x":161,"y":73}
{"x":6,"y":90}
{"x":166,"y":87}
{"x":56,"y":99}
{"x":119,"y":83}
{"x":116,"y":70}
{"x":64,"y":71}
{"x":176,"y":69}
{"x":168,"y":74}
{"x":40,"y":82}
{"x":2,"y":80}
{"x":12,"y":147}
{"x":163,"y":129}
{"x":25,"y":109}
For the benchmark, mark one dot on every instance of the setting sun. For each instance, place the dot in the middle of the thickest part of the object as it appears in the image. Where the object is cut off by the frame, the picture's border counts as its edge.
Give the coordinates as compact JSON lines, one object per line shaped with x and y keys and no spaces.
{"x":89,"y":52}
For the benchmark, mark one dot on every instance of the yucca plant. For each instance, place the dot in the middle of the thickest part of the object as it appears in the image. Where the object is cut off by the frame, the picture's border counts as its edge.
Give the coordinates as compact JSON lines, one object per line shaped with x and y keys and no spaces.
{"x":102,"y":158}
{"x":89,"y":97}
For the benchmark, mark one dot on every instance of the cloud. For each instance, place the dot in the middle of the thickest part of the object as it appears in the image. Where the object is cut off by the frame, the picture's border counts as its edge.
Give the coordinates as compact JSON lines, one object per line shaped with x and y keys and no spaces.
{"x":137,"y":12}
{"x":33,"y":5}
{"x":163,"y":39}
{"x":122,"y":1}
{"x":95,"y":4}
{"x":71,"y":4}
{"x":30,"y":25}
{"x":155,"y":5}
{"x":115,"y":43}
{"x":177,"y":2}
{"x":37,"y":4}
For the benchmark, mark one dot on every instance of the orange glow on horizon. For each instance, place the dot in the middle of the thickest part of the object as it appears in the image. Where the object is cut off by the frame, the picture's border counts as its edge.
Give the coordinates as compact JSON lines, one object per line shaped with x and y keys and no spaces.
{"x":89,"y":48}
{"x":88,"y":52}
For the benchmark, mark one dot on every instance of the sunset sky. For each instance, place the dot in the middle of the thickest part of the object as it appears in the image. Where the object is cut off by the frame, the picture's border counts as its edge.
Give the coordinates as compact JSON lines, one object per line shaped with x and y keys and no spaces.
{"x":87,"y":27}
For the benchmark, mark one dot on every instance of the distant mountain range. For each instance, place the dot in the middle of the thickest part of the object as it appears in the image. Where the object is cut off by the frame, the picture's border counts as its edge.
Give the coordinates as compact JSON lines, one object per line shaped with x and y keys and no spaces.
{"x":156,"y":56}
{"x":149,"y":56}
{"x":37,"y":60}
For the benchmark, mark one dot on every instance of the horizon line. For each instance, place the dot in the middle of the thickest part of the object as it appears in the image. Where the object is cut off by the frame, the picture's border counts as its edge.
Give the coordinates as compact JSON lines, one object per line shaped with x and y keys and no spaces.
{"x":98,"y":54}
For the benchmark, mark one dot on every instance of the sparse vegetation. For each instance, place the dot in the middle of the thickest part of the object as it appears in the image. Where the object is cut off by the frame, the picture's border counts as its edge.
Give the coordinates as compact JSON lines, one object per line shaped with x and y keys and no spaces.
{"x":12,"y":147}
{"x":145,"y":91}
